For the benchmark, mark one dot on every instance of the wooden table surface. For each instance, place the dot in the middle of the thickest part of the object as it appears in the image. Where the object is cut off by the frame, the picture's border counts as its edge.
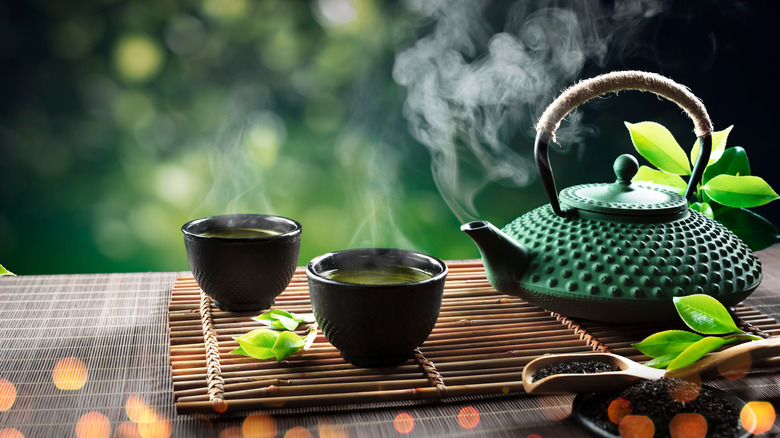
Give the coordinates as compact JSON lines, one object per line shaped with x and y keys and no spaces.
{"x":87,"y":355}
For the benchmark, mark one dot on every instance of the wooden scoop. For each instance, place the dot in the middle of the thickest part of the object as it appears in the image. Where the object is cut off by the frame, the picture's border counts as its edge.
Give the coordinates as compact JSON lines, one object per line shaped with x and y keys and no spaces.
{"x":730,"y":360}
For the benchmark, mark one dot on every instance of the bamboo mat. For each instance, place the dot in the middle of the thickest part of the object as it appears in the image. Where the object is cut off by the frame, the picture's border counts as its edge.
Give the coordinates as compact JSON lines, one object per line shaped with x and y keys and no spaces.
{"x":478,"y":348}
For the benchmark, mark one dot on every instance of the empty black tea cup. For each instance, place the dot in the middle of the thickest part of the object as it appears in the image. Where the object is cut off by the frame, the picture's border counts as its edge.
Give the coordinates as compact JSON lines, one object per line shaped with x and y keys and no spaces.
{"x":243,"y":261}
{"x":376,"y":305}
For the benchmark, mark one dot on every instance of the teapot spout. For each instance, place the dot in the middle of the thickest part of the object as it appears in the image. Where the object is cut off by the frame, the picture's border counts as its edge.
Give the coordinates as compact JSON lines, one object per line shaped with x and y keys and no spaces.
{"x":504,"y":258}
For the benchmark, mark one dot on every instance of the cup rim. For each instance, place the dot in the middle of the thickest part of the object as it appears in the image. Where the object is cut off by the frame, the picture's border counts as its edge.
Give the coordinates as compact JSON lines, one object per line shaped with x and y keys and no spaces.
{"x":310,"y":272}
{"x":185,"y":229}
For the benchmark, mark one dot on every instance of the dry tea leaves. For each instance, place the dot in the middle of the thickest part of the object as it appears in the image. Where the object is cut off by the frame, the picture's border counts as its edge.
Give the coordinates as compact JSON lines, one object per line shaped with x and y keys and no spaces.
{"x":575,"y":367}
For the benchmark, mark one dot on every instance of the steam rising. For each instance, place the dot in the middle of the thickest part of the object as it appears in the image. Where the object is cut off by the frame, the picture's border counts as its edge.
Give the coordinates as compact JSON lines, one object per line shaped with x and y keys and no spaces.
{"x":473,"y":92}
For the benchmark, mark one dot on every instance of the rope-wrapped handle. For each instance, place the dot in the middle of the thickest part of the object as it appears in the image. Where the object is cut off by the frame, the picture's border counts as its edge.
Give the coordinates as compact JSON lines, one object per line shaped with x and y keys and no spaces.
{"x":585,"y":90}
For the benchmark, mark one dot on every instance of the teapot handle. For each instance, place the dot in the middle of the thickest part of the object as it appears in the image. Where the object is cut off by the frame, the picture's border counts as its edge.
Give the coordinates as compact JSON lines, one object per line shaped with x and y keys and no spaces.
{"x":585,"y":90}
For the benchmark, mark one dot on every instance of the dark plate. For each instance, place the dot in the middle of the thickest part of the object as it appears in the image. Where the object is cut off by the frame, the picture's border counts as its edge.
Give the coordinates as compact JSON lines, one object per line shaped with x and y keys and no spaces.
{"x":589,"y":402}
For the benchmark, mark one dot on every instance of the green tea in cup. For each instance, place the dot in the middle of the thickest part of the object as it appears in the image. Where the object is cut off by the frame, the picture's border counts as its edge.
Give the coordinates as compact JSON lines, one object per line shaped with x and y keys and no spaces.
{"x":387,"y":274}
{"x":239,"y":233}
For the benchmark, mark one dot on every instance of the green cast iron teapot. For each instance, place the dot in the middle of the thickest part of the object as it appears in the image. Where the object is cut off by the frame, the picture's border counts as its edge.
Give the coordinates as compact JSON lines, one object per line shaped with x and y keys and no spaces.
{"x":617,"y":252}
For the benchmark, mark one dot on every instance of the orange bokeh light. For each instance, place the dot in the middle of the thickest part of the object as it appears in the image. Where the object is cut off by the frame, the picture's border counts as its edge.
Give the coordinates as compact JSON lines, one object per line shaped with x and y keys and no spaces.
{"x":468,"y":417}
{"x":258,"y":426}
{"x":298,"y":432}
{"x":231,"y":432}
{"x":69,"y":374}
{"x":93,"y":425}
{"x":757,"y":417}
{"x":138,"y":411}
{"x":618,"y":409}
{"x":11,"y":433}
{"x":159,"y":428}
{"x":735,"y":367}
{"x":685,"y":391}
{"x":7,"y":395}
{"x":326,"y":429}
{"x":636,"y":426}
{"x":403,"y":423}
{"x":127,"y":429}
{"x":688,"y":425}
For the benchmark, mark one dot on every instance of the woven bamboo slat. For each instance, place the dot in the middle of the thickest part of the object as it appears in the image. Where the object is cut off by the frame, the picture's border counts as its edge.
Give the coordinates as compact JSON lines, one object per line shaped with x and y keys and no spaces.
{"x":478,"y":348}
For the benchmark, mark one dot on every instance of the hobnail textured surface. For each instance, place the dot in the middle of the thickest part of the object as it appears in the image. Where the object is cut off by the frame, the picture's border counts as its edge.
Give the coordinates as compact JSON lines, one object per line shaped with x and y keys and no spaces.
{"x":376,"y":347}
{"x":636,"y":264}
{"x":243,"y":274}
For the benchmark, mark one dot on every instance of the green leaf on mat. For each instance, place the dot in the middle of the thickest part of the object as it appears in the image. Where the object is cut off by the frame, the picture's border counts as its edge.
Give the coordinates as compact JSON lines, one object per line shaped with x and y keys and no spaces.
{"x":659,"y":147}
{"x":668,"y":342}
{"x":283,"y":320}
{"x":259,"y":343}
{"x":739,"y":191}
{"x":697,"y":350}
{"x":705,"y":314}
{"x":286,"y":344}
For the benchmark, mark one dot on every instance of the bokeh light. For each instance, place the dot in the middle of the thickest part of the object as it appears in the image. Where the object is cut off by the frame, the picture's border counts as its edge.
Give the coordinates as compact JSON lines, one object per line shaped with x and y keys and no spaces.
{"x":138,"y":410}
{"x":159,"y":428}
{"x":127,"y":429}
{"x":93,"y":425}
{"x":735,"y":367}
{"x":688,"y":425}
{"x":69,"y":374}
{"x":468,"y":417}
{"x":636,"y":426}
{"x":403,"y":423}
{"x":757,"y":417}
{"x":327,"y":429}
{"x":618,"y":409}
{"x":684,"y":390}
{"x":137,"y":58}
{"x":298,"y":432}
{"x":231,"y":432}
{"x":7,"y":395}
{"x":258,"y":426}
{"x":10,"y":433}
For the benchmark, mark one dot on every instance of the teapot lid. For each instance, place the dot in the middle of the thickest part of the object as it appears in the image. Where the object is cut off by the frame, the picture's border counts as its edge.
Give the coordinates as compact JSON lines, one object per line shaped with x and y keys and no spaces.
{"x":624,"y":197}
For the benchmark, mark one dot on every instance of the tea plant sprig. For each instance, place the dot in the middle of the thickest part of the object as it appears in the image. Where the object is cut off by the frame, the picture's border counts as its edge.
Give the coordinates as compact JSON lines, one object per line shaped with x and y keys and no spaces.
{"x":704,"y":314}
{"x":267,"y":343}
{"x":4,"y":271}
{"x":727,"y":189}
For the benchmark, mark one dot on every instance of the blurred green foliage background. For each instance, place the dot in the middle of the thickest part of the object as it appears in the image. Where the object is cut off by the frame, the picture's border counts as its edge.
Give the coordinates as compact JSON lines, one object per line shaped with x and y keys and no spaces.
{"x":120,"y":120}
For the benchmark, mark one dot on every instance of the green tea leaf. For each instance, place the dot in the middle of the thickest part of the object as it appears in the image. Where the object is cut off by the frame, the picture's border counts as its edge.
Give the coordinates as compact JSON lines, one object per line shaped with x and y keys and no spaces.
{"x":283,"y":320}
{"x":4,"y":271}
{"x":661,"y":361}
{"x":673,"y":182}
{"x":669,"y":342}
{"x":719,"y":139}
{"x":259,"y":343}
{"x":659,"y":147}
{"x":239,"y":350}
{"x":286,"y":344}
{"x":697,"y":350}
{"x":733,"y":162}
{"x":703,"y":208}
{"x":757,"y":232}
{"x":739,"y":191}
{"x":310,"y":337}
{"x":705,"y":314}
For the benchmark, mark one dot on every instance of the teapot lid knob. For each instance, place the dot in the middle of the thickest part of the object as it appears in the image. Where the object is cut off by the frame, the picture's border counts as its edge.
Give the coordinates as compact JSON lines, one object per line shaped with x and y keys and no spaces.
{"x":625,"y":167}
